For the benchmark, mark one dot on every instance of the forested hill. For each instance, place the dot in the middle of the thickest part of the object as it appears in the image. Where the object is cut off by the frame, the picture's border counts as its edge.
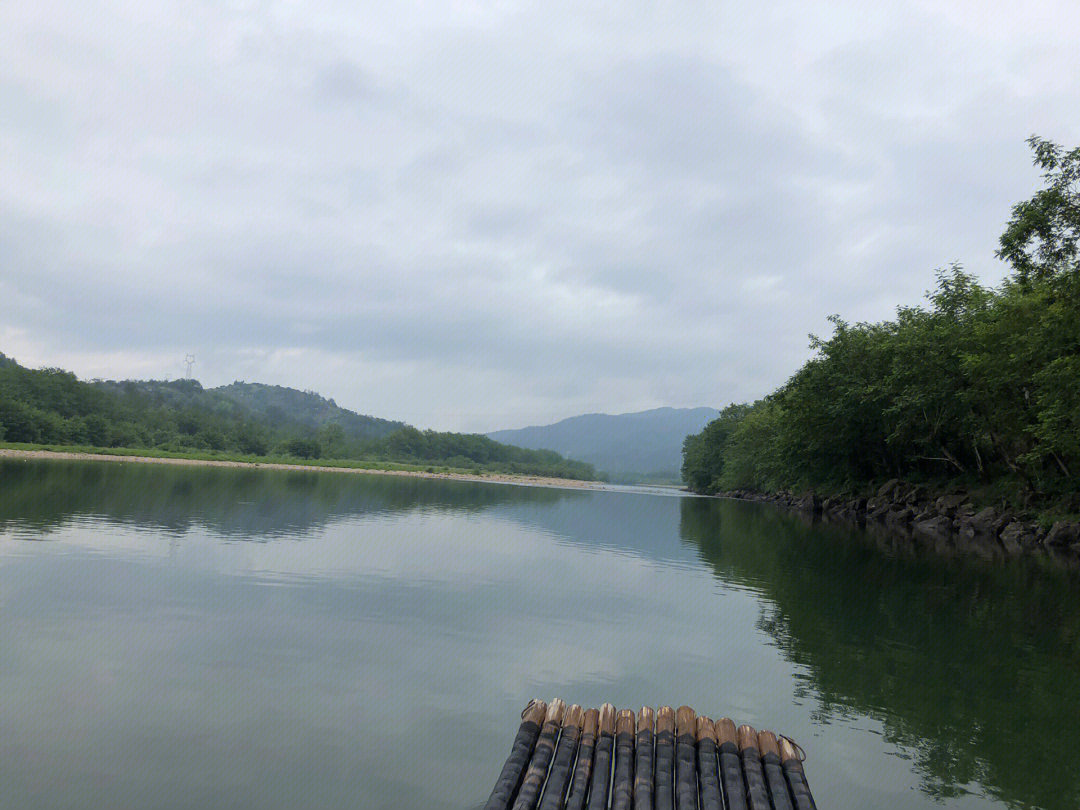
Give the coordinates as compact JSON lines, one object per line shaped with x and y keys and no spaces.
{"x":979,"y":390}
{"x":53,"y":407}
{"x":628,"y":446}
{"x":276,"y":402}
{"x":268,"y":404}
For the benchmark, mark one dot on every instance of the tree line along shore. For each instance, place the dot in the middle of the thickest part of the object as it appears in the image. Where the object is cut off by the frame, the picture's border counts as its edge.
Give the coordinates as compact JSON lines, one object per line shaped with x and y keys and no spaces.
{"x":245,"y":422}
{"x":974,"y":396}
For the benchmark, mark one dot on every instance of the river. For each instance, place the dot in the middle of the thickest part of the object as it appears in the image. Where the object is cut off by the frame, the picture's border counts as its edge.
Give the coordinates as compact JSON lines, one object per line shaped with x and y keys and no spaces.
{"x":188,"y":637}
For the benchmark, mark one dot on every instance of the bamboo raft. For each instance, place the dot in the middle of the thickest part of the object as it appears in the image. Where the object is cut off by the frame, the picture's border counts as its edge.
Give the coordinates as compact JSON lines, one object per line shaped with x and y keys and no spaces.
{"x":564,"y":758}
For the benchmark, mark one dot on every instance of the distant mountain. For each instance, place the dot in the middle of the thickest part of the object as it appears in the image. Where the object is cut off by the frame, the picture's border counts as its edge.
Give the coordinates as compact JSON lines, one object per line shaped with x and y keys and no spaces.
{"x":277,"y":403}
{"x":629,"y":446}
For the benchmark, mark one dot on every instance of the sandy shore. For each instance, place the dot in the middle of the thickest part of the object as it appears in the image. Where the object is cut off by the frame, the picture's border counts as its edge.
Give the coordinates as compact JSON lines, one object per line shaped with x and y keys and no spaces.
{"x":493,"y":478}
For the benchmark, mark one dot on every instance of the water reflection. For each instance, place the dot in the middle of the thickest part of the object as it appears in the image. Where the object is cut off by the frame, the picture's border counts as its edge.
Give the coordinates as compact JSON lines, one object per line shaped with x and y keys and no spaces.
{"x":196,"y":637}
{"x":40,"y":497}
{"x":974,"y":667}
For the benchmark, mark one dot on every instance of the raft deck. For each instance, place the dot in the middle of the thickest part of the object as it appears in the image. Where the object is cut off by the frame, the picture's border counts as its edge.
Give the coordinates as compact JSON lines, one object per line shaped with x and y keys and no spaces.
{"x":567,"y":758}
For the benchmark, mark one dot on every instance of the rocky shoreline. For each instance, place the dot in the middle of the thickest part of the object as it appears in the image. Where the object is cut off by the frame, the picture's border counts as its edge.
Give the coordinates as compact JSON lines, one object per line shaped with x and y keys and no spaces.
{"x":949,"y":524}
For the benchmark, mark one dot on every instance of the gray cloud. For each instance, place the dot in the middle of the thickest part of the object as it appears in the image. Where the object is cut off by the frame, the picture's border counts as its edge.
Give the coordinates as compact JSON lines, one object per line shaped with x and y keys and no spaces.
{"x":479,"y":218}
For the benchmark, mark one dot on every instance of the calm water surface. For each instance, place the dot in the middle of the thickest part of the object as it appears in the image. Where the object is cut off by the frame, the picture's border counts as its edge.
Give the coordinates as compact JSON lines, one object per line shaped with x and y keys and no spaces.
{"x":182,"y":638}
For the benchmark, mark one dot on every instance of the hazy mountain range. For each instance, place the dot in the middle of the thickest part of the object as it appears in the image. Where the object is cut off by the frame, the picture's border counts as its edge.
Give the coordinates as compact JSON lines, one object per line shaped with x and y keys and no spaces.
{"x":628,"y":446}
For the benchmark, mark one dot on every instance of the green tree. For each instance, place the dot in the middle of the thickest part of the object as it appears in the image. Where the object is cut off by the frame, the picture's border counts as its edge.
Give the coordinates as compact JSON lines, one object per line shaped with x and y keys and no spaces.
{"x":303,"y":447}
{"x":704,"y":453}
{"x":1040,"y":240}
{"x":978,"y":387}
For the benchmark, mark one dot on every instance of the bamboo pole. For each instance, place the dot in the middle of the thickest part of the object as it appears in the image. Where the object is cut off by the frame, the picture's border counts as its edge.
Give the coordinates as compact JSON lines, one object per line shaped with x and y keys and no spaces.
{"x":559,"y":777}
{"x":529,"y":794}
{"x":756,"y":793}
{"x":774,"y":773}
{"x":514,"y":769}
{"x":643,"y":760}
{"x":708,"y":767}
{"x":601,"y":772}
{"x":793,"y":769}
{"x":579,"y":788}
{"x":622,"y":786}
{"x":730,"y":766}
{"x":665,"y":759}
{"x":686,"y":788}
{"x":673,"y":759}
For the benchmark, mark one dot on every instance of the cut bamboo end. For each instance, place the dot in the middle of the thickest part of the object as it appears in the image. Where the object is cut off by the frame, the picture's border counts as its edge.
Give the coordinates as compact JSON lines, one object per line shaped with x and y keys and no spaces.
{"x":574,"y":717}
{"x":646,"y":719}
{"x":555,"y":712}
{"x":789,"y":752}
{"x":705,"y":729}
{"x":767,"y":743}
{"x":725,"y":730}
{"x":686,"y":721}
{"x":665,"y":720}
{"x":747,"y":737}
{"x":534,"y":712}
{"x":592,"y":720}
{"x":545,"y":762}
{"x":607,"y":719}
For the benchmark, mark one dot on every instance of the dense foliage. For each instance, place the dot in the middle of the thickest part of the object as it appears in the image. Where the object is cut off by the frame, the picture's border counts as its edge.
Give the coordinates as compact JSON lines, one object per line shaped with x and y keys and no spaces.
{"x":51,"y":406}
{"x":980,"y":387}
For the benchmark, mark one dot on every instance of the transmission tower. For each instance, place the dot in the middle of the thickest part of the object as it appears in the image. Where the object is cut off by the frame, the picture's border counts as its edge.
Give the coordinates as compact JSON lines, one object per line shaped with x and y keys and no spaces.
{"x":190,"y":360}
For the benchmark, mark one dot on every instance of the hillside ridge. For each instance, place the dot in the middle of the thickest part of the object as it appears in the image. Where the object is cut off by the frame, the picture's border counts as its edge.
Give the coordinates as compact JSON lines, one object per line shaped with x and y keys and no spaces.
{"x":632,"y":446}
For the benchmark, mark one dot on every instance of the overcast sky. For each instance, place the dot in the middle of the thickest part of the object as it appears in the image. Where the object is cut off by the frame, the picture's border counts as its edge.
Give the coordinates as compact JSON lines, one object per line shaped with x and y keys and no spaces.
{"x":477,"y":216}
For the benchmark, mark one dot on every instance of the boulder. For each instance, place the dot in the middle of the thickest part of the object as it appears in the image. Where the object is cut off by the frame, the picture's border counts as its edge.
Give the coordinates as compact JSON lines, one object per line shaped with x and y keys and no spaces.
{"x":936,"y":528}
{"x":1012,"y":537}
{"x":886,"y":489}
{"x":914,"y":495}
{"x":981,"y":523}
{"x":1063,"y":533}
{"x":878,"y":512}
{"x":948,"y":504}
{"x":1002,"y":521}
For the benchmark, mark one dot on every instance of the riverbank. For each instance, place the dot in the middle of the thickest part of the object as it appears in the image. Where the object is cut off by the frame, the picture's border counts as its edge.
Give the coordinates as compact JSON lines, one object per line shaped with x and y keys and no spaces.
{"x":948,"y":523}
{"x":334,"y":466}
